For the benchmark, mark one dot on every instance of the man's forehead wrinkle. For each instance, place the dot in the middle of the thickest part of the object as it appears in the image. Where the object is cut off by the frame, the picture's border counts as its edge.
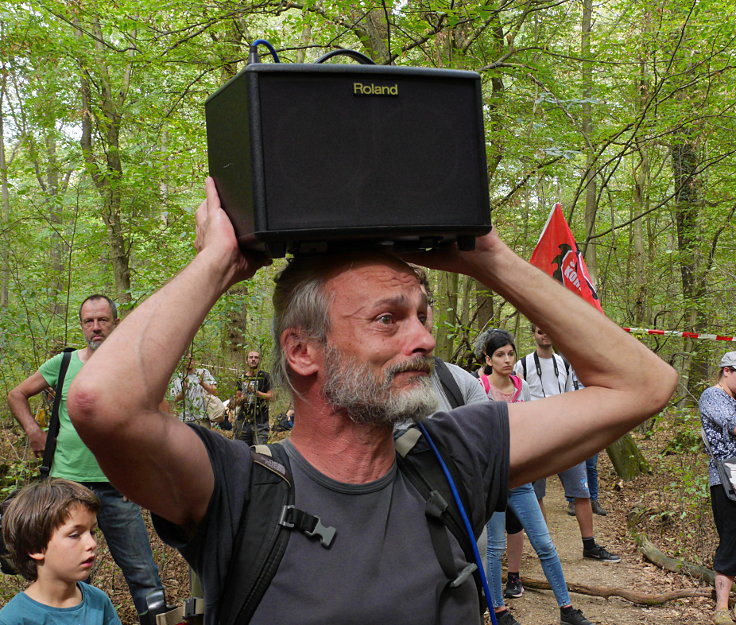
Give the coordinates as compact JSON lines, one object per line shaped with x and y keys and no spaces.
{"x":356,"y":283}
{"x":380,"y":273}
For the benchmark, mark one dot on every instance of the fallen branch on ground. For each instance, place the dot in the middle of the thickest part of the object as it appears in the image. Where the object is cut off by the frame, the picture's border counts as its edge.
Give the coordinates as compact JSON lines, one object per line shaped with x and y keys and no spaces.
{"x":655,"y":556}
{"x":640,"y":598}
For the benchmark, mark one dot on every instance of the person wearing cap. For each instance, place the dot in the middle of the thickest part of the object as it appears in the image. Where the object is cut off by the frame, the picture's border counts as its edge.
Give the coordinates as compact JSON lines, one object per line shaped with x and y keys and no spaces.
{"x":718,"y":415}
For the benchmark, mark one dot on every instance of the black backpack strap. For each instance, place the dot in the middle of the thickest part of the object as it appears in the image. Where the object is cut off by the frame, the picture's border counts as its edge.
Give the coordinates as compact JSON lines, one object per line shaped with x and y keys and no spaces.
{"x":575,"y":382}
{"x":449,"y":385}
{"x":264,"y":532}
{"x":261,"y":541}
{"x":53,"y":431}
{"x":418,"y":463}
{"x":523,"y":365}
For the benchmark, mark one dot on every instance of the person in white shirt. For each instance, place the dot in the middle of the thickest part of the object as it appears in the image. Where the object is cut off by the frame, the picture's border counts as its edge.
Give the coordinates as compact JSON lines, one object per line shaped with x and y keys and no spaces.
{"x":549,"y":374}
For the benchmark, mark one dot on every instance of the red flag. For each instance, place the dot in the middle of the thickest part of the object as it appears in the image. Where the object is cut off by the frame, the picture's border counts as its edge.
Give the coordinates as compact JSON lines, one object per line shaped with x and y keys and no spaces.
{"x":557,"y":254}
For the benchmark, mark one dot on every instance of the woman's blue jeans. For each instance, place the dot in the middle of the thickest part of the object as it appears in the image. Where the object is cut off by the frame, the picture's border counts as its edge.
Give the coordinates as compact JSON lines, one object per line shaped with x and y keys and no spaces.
{"x":523,"y":502}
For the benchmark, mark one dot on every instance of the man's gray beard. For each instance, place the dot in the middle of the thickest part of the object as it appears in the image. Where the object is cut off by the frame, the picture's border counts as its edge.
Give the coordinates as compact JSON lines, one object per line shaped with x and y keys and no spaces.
{"x":92,"y":345}
{"x":350,"y":385}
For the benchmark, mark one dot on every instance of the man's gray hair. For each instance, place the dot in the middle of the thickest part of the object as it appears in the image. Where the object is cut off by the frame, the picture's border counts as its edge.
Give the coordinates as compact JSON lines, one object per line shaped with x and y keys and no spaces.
{"x":300,"y":301}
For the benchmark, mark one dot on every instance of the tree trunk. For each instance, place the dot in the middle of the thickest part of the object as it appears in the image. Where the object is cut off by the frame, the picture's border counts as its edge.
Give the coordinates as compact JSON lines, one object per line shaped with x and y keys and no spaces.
{"x":445,"y":314}
{"x":641,"y":261}
{"x":58,"y":247}
{"x":688,"y":204}
{"x":373,"y":32}
{"x":627,"y":460}
{"x":103,"y":119}
{"x":304,"y":40}
{"x":235,"y":329}
{"x":4,"y":207}
{"x":591,"y":203}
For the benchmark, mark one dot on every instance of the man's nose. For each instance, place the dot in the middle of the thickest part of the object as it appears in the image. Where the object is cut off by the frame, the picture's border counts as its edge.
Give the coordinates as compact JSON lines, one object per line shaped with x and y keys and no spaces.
{"x":422,"y":340}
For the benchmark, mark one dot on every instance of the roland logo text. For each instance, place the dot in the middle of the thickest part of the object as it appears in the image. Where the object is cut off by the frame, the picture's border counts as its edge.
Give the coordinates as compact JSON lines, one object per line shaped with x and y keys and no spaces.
{"x":360,"y":88}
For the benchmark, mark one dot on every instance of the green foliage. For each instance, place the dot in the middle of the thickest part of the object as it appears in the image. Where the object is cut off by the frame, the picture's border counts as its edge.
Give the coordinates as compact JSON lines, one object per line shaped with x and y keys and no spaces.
{"x":15,"y":474}
{"x":688,"y":486}
{"x":686,"y":437}
{"x":661,"y":75}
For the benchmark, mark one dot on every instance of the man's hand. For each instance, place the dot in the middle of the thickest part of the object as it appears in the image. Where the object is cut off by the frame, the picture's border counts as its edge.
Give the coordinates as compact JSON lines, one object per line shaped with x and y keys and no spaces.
{"x":475,"y":263}
{"x":37,"y":440}
{"x":216,"y":237}
{"x":21,"y":409}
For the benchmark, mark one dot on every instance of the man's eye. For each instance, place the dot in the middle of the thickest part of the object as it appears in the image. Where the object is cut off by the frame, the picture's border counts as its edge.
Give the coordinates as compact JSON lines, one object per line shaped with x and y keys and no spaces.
{"x":385,"y":319}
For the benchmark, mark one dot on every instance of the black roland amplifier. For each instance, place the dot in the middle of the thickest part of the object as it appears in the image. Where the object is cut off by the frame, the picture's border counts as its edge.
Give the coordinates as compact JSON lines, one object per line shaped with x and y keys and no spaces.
{"x":308,"y":156}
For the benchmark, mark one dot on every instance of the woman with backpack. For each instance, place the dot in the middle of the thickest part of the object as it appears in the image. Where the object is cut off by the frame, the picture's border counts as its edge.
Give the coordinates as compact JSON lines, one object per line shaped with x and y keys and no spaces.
{"x":499,"y":353}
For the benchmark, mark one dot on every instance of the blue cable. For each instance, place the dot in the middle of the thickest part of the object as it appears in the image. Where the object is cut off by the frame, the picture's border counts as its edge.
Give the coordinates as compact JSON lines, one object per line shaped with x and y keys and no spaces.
{"x":263,"y":42}
{"x":466,"y":521}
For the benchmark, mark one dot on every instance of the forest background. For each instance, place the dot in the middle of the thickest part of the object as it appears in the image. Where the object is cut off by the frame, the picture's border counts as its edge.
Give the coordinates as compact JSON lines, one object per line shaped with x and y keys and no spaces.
{"x":622,"y":111}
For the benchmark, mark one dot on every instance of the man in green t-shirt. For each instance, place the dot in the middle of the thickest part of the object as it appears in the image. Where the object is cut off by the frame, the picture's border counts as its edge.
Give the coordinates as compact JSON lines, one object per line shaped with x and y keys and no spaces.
{"x":119,"y":519}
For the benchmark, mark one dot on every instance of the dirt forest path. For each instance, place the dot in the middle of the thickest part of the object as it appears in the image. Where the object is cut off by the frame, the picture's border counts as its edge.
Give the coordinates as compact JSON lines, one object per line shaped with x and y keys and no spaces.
{"x":538,"y":607}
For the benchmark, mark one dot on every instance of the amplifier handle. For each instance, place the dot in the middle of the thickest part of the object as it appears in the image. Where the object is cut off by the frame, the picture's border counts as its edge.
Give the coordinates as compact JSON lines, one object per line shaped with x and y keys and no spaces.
{"x":358,"y":56}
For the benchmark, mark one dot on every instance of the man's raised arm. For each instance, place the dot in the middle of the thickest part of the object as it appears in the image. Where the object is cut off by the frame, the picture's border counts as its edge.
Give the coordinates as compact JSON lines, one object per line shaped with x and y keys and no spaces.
{"x":152,"y":457}
{"x":625,"y":382}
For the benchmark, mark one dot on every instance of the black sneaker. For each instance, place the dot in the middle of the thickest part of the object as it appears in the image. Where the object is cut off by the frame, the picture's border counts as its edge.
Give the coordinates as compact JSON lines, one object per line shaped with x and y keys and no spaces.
{"x":598,"y":509}
{"x":600,"y":553}
{"x":574,"y":617}
{"x":514,"y":588}
{"x":505,"y":618}
{"x":570,"y":508}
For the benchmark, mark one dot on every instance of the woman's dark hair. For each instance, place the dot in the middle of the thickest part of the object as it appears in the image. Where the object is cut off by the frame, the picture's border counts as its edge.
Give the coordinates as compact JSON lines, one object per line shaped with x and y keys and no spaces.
{"x":490,"y":340}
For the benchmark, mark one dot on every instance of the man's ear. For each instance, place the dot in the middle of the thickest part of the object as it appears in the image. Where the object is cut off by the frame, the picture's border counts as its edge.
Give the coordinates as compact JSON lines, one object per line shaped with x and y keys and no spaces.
{"x":302,"y":354}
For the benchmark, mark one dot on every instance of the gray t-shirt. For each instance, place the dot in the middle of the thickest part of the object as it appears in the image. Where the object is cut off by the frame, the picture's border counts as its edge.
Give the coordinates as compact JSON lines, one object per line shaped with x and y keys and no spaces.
{"x":470,"y":387}
{"x":381,"y":568}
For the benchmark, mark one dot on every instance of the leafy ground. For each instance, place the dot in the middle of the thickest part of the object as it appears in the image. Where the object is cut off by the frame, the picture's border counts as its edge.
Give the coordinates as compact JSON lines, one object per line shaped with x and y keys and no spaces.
{"x":678,"y":521}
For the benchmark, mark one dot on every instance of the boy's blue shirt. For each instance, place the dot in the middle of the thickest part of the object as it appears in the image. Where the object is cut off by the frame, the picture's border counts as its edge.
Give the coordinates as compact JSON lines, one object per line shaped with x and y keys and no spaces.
{"x":94,"y":609}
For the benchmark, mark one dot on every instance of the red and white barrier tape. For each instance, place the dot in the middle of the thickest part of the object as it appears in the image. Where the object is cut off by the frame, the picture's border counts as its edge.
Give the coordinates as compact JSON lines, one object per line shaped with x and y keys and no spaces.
{"x":685,"y":335}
